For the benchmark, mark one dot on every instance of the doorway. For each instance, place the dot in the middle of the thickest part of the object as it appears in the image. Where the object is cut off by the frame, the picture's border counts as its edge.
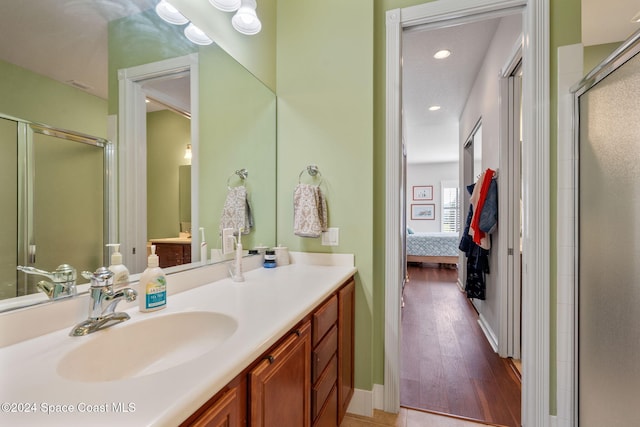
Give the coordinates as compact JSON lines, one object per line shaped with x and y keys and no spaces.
{"x":465,"y":127}
{"x":133,"y":152}
{"x":535,"y":178}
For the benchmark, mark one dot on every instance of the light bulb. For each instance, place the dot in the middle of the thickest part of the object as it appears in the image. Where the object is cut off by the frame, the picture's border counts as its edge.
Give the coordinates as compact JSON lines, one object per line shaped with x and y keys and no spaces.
{"x":226,"y":5}
{"x":196,"y":35}
{"x":170,"y":14}
{"x":246,"y":21}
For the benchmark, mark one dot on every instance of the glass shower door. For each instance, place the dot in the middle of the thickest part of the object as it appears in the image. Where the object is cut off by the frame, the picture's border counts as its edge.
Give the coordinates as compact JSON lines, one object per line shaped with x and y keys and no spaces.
{"x":609,"y":249}
{"x":8,"y":207}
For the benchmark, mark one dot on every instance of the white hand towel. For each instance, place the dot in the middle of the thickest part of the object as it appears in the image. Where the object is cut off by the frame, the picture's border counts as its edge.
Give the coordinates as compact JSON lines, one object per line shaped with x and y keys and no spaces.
{"x":309,"y":211}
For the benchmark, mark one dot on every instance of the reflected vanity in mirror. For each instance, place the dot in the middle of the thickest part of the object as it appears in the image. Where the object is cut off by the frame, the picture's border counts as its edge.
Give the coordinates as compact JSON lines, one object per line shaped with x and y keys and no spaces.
{"x":46,"y":83}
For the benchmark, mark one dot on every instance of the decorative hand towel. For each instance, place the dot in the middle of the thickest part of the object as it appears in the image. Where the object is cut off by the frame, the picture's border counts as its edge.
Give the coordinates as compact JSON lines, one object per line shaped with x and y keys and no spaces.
{"x":310,"y":215}
{"x":236,"y":212}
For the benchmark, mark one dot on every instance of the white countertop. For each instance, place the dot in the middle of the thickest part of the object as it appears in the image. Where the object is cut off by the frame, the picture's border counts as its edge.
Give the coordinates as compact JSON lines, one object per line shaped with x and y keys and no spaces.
{"x":177,"y":240}
{"x":266,"y":305}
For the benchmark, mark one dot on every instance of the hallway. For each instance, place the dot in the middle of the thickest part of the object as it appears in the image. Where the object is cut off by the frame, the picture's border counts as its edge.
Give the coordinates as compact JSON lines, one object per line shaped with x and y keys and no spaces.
{"x":447,"y":364}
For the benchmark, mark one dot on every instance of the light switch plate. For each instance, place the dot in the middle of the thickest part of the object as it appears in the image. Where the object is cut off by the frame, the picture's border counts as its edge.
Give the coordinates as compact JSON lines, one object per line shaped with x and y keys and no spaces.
{"x":331,"y":237}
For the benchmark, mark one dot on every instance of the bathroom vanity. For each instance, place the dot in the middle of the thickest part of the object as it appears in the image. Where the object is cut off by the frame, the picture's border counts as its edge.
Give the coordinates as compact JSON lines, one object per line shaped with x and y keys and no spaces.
{"x":306,"y":379}
{"x":278,"y":346}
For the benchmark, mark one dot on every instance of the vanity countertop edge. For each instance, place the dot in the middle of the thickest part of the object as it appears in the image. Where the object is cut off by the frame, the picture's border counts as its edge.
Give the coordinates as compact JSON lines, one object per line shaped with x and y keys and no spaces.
{"x":266,"y":305}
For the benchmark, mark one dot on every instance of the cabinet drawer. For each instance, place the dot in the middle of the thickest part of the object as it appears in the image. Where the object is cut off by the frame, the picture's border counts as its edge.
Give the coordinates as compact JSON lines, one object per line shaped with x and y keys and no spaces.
{"x":329,"y":413}
{"x":323,"y":319}
{"x":323,"y":353}
{"x":323,"y":387}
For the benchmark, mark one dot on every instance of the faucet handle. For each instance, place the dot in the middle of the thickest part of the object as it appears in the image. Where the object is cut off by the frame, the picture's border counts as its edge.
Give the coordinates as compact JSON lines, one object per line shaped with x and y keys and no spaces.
{"x":99,"y":278}
{"x":63,"y":274}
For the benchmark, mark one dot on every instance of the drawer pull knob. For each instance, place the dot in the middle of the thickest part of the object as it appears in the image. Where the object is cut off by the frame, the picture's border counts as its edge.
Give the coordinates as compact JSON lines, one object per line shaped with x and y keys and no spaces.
{"x":270,"y":358}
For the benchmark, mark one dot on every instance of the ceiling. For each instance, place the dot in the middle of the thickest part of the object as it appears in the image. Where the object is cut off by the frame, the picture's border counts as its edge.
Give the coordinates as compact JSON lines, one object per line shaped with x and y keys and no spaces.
{"x":65,"y":40}
{"x":38,"y":33}
{"x":432,"y":136}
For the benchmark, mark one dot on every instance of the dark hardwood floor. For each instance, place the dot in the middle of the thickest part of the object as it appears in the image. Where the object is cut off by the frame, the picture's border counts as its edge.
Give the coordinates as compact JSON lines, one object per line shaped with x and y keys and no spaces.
{"x":447,"y":364}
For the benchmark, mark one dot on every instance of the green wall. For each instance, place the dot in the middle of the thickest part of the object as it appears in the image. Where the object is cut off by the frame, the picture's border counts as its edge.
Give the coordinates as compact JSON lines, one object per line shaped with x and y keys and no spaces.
{"x":325,"y":117}
{"x":257,"y":53}
{"x":168,"y":134}
{"x":237,"y":130}
{"x":30,"y":96}
{"x":593,"y":55}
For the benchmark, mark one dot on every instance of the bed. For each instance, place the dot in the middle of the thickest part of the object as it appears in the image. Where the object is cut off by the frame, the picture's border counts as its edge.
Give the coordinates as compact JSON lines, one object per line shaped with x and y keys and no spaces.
{"x":441,"y":248}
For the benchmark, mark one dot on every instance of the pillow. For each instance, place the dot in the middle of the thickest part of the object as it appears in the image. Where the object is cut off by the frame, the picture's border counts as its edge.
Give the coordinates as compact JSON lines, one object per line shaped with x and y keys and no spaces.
{"x":410,"y":230}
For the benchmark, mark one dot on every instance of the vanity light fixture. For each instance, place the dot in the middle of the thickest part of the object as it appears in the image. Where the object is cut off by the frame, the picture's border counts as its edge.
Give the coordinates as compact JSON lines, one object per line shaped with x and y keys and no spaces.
{"x":170,"y":14}
{"x":434,"y":108}
{"x":196,"y":35}
{"x":245,"y":20}
{"x":441,"y":54}
{"x":226,"y":5}
{"x":187,"y":153}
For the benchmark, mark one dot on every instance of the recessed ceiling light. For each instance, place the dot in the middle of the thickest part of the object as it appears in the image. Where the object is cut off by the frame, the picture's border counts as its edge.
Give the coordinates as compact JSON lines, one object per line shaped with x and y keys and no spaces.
{"x":434,"y":108}
{"x":636,"y":18}
{"x":441,"y":54}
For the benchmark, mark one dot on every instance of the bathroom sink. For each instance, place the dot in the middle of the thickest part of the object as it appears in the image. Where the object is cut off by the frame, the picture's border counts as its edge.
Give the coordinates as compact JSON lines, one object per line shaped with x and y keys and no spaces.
{"x":146,"y":347}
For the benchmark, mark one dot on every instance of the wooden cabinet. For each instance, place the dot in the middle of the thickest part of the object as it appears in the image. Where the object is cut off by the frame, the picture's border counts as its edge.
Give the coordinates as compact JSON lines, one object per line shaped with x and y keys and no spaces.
{"x":224,"y":413}
{"x":324,"y":366}
{"x":228,"y":408}
{"x":170,"y":254}
{"x":279,"y":386}
{"x":346,"y":346}
{"x":304,"y":380}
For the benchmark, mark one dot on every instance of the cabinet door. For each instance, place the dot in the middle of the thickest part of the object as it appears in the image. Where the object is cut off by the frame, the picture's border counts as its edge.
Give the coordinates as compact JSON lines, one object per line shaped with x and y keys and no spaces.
{"x":224,"y":413}
{"x":280,"y":385}
{"x":346,"y":312}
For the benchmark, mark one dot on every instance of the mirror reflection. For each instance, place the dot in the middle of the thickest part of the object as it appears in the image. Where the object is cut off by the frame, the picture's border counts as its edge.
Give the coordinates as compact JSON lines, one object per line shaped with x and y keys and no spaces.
{"x":48,"y":75}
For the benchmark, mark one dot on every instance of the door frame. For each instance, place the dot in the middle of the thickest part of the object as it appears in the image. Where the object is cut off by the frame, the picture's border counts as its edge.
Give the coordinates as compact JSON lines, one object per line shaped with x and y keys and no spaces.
{"x":132,"y":155}
{"x":509,"y":208}
{"x":536,"y":228}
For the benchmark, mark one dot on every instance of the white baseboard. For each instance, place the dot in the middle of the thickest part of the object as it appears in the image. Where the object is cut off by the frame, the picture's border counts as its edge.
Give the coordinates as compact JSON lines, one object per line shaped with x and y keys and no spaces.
{"x":488,"y":332}
{"x":364,"y":402}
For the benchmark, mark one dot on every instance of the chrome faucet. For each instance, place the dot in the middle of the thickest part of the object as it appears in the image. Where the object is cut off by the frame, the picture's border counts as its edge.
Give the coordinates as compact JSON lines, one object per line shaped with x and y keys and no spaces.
{"x":102,"y":303}
{"x":62,"y":284}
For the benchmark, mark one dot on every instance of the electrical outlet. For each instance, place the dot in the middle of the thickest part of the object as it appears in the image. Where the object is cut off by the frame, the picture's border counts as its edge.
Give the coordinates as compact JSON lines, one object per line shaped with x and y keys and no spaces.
{"x":331,"y":237}
{"x":227,"y":240}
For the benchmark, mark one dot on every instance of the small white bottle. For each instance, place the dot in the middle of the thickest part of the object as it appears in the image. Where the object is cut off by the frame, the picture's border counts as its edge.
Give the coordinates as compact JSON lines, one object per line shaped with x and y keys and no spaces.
{"x":120,"y":272}
{"x":152,"y":291}
{"x":203,"y":248}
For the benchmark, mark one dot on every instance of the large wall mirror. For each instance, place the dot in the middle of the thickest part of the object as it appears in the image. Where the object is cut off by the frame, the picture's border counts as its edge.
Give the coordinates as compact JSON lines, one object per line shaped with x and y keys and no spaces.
{"x":62,"y":64}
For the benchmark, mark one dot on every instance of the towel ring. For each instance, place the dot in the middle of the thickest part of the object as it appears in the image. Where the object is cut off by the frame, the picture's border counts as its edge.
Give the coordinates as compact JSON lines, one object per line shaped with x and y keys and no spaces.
{"x":242,"y":173}
{"x":313,"y":171}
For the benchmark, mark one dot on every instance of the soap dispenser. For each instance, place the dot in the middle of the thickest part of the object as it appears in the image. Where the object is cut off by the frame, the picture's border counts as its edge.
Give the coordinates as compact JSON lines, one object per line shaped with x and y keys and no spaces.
{"x":152,"y":292}
{"x":120,"y":272}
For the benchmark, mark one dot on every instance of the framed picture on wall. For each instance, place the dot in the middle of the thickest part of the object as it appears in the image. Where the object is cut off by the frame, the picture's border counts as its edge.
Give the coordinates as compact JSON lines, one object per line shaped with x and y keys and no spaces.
{"x":423,"y":192}
{"x":426,"y":211}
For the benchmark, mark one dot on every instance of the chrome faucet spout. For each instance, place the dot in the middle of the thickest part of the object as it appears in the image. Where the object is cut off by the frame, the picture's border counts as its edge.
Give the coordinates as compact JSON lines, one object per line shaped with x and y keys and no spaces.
{"x":61,"y":283}
{"x":102,"y":303}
